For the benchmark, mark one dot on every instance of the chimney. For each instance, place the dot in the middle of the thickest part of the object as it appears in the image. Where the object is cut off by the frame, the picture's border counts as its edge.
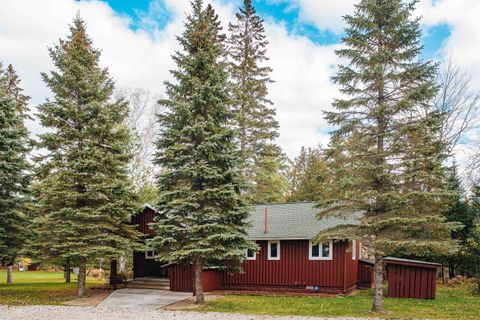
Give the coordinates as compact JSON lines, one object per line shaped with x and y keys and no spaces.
{"x":266,"y":220}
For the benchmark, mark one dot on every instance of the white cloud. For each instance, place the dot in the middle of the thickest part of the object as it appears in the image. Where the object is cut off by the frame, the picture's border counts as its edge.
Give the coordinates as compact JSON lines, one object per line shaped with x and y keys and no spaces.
{"x":461,"y":16}
{"x":324,"y":14}
{"x":302,"y":90}
{"x":142,"y":58}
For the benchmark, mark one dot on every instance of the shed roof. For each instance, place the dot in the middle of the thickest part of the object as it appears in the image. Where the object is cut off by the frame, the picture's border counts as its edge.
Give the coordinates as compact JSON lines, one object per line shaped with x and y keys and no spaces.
{"x":413,"y":263}
{"x":292,"y":221}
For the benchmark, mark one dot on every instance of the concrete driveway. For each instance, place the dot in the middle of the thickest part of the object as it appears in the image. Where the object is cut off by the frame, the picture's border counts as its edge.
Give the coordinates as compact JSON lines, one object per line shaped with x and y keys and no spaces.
{"x":142,"y":298}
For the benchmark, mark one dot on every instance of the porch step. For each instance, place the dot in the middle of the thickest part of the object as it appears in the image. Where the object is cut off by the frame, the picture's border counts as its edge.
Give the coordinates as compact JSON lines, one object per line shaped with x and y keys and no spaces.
{"x":150,"y":283}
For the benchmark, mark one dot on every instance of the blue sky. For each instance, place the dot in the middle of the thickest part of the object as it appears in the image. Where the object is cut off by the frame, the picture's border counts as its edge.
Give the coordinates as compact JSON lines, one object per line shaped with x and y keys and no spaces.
{"x":137,"y":38}
{"x":281,"y":11}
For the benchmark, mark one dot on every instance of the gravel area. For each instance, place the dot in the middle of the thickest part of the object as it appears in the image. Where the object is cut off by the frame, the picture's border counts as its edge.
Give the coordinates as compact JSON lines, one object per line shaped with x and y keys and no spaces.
{"x":98,"y":313}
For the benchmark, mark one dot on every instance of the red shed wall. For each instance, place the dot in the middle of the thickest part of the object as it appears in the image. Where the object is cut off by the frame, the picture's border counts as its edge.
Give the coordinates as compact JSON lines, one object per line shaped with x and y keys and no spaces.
{"x":293,"y":270}
{"x":411,"y":282}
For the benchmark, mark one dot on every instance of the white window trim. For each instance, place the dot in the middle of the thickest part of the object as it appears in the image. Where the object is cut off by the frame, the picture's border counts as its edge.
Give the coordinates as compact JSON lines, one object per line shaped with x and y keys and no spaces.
{"x":359,"y":250}
{"x":354,"y":249}
{"x":251,"y":258}
{"x":278,"y":250}
{"x":320,"y":257}
{"x":149,"y":257}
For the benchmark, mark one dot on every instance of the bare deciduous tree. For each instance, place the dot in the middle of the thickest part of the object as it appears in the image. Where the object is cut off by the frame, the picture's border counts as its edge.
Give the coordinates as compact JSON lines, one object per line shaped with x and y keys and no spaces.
{"x":459,"y":102}
{"x":142,"y":121}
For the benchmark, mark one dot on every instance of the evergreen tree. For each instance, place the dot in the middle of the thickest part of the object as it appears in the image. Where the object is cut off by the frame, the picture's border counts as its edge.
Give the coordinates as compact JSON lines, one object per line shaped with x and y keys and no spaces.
{"x":308,"y":176}
{"x":257,"y":129}
{"x":202,"y":214}
{"x":270,"y":180}
{"x":14,"y":168}
{"x":458,"y":210}
{"x":472,"y":241}
{"x":86,"y":197}
{"x":386,"y":155}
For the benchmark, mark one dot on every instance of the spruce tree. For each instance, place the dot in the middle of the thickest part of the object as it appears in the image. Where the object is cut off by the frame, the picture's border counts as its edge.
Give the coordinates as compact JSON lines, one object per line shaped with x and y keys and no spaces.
{"x":202,"y":214}
{"x":14,"y":168}
{"x":386,"y":155}
{"x":458,"y":210}
{"x":472,"y":243}
{"x":308,"y":176}
{"x":257,"y":129}
{"x":86,"y":197}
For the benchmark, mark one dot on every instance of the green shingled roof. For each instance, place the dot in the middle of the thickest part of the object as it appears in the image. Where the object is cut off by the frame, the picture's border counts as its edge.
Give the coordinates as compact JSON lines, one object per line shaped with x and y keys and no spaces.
{"x":290,"y":221}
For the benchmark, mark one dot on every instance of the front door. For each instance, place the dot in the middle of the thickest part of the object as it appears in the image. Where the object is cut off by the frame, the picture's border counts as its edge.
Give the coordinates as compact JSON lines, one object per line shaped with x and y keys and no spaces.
{"x":145,"y":265}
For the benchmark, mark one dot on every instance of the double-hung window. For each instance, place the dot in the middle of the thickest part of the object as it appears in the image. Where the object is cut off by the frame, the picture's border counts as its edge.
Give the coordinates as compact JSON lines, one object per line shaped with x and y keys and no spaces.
{"x":274,"y":250}
{"x":321,"y":251}
{"x":251,"y":254}
{"x":150,"y":254}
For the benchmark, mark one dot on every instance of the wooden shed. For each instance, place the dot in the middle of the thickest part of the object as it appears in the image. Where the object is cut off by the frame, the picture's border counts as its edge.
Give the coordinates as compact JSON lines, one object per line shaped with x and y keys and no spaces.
{"x":411,"y":278}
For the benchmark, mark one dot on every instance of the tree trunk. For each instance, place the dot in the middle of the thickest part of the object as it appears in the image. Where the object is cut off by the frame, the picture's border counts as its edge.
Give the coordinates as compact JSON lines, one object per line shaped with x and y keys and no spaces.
{"x":67,"y":270}
{"x":451,"y":269}
{"x":82,"y":275}
{"x":444,"y":273}
{"x":113,"y":274}
{"x":122,"y":264}
{"x":198,"y":281}
{"x":9,"y":274}
{"x":378,"y":284}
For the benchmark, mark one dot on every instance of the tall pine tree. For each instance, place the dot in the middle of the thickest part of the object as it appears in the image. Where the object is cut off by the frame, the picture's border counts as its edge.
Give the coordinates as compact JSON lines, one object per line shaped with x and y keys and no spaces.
{"x":257,"y":129}
{"x":14,"y":167}
{"x":386,"y":155}
{"x":472,"y":243}
{"x":308,"y":176}
{"x":458,"y":210}
{"x":202,"y":215}
{"x":86,"y":197}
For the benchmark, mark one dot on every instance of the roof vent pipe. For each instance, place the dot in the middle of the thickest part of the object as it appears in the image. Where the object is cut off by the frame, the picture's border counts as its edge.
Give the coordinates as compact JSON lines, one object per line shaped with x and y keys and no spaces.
{"x":266,"y":220}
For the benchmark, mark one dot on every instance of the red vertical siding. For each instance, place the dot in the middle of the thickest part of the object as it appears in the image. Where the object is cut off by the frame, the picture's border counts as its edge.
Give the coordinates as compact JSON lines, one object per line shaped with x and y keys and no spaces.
{"x":212,"y":280}
{"x":294,"y":269}
{"x":365,"y":274}
{"x":351,"y":268}
{"x":143,"y":219}
{"x":411,"y":281}
{"x":181,"y":277}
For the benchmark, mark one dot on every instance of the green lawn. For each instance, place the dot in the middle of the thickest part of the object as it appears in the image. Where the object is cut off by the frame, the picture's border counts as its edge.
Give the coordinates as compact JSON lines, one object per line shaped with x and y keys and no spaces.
{"x":451,"y":303}
{"x":38,"y":287}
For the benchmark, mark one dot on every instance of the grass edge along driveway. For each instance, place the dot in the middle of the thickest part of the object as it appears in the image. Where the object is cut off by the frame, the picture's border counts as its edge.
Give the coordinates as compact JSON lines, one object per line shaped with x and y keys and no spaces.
{"x":451,"y":303}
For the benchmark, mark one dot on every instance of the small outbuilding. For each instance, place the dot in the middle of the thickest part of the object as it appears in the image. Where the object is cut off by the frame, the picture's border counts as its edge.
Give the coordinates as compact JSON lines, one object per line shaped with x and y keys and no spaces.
{"x":411,"y":278}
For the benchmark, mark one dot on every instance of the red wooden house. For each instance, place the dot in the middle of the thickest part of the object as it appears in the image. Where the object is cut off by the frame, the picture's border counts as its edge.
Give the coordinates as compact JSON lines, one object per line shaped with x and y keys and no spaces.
{"x":287,"y":259}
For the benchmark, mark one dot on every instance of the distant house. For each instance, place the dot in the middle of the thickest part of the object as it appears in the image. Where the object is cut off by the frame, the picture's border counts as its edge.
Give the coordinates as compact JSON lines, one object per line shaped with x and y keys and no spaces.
{"x":287,"y":259}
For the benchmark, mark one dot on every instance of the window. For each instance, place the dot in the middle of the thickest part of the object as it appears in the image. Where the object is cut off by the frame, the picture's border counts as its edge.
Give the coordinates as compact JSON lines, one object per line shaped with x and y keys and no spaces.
{"x":359,"y":250}
{"x":321,"y":251}
{"x":354,"y":249}
{"x":251,"y":255}
{"x":273,"y":250}
{"x":150,"y":254}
